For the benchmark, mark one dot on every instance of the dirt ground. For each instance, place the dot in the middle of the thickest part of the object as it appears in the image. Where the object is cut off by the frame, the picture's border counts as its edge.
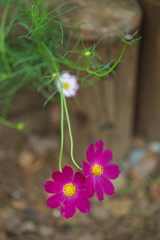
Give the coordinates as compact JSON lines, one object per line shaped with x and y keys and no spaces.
{"x":27,"y":160}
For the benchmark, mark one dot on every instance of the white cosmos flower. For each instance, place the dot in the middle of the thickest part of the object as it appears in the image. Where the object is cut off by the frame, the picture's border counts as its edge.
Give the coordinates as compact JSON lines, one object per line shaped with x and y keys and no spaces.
{"x":68,"y":83}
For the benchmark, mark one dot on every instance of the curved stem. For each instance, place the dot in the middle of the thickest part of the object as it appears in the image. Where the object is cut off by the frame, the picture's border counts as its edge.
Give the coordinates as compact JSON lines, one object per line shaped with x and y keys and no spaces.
{"x":70,"y":132}
{"x":8,"y":123}
{"x":62,"y":130}
{"x":119,"y":59}
{"x":70,"y":64}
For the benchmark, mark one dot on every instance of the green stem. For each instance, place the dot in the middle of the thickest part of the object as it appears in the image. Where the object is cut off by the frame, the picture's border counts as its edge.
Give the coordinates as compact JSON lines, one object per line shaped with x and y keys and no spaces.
{"x":62,"y":130}
{"x":119,"y":59}
{"x":5,"y":110}
{"x":71,"y":65}
{"x":70,"y":133}
{"x":86,"y":69}
{"x":7,"y":123}
{"x":2,"y":39}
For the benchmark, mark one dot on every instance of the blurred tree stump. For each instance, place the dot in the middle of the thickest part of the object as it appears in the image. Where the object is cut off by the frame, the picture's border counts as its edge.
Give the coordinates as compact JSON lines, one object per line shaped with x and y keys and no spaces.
{"x":106,"y":108}
{"x":148,"y":113}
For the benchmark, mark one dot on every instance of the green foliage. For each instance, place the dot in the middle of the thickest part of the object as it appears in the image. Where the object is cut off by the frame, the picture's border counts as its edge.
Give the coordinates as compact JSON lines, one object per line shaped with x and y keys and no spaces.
{"x":30,"y":59}
{"x":27,"y":59}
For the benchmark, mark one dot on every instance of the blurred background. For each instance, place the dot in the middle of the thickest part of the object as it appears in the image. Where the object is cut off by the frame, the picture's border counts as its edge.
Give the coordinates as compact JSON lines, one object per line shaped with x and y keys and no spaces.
{"x":122,"y":109}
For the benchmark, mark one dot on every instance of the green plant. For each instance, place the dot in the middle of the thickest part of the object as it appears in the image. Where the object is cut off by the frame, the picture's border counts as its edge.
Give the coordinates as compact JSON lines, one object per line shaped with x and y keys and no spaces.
{"x":39,"y":56}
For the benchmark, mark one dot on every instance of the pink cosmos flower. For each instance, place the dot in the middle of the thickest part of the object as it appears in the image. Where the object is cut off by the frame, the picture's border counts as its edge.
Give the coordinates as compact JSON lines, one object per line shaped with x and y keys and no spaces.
{"x":68,"y":83}
{"x":69,"y":192}
{"x":98,"y":171}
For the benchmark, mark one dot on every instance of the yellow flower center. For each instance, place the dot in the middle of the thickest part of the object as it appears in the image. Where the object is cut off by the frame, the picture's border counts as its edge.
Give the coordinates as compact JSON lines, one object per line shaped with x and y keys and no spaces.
{"x":65,"y":85}
{"x":97,"y":170}
{"x":69,"y":189}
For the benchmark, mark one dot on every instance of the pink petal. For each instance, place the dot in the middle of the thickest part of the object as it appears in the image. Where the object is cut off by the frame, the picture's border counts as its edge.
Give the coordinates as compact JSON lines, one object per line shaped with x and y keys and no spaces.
{"x":76,"y":87}
{"x":52,"y":187}
{"x":65,"y":75}
{"x":106,"y":157}
{"x":86,"y":168}
{"x":83,"y":192}
{"x":90,"y":185}
{"x":98,"y":155}
{"x":111,"y":171}
{"x":83,"y":204}
{"x":68,"y":174}
{"x":59,"y":178}
{"x":68,"y":207}
{"x":79,"y":179}
{"x":98,"y":189}
{"x":99,"y":145}
{"x":55,"y":200}
{"x":68,"y":93}
{"x":90,"y":154}
{"x":107,"y":186}
{"x":73,"y":77}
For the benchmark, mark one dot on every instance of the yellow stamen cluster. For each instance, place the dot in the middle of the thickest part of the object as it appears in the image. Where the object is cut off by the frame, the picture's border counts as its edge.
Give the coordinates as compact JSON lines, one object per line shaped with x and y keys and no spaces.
{"x":69,"y":189}
{"x":65,"y":85}
{"x":97,"y":170}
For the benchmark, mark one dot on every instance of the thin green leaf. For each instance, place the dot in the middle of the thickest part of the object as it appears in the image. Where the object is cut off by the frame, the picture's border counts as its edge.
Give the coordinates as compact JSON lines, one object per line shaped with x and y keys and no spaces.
{"x":50,"y":97}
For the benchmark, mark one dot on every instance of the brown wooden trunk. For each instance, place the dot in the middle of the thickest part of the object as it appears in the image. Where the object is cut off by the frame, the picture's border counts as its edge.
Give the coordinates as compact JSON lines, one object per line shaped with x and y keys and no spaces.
{"x":148,"y":115}
{"x":107,"y":108}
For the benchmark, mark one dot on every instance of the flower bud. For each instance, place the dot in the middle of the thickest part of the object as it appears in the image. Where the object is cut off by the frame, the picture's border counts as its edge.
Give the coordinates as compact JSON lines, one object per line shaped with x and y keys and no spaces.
{"x":128,"y":37}
{"x":54,"y":75}
{"x":87,"y":54}
{"x":20,"y":126}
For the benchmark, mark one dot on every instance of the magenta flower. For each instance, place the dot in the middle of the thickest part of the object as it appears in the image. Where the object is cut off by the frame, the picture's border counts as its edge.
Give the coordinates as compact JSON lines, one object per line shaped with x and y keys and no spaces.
{"x":69,"y":192}
{"x":98,"y":171}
